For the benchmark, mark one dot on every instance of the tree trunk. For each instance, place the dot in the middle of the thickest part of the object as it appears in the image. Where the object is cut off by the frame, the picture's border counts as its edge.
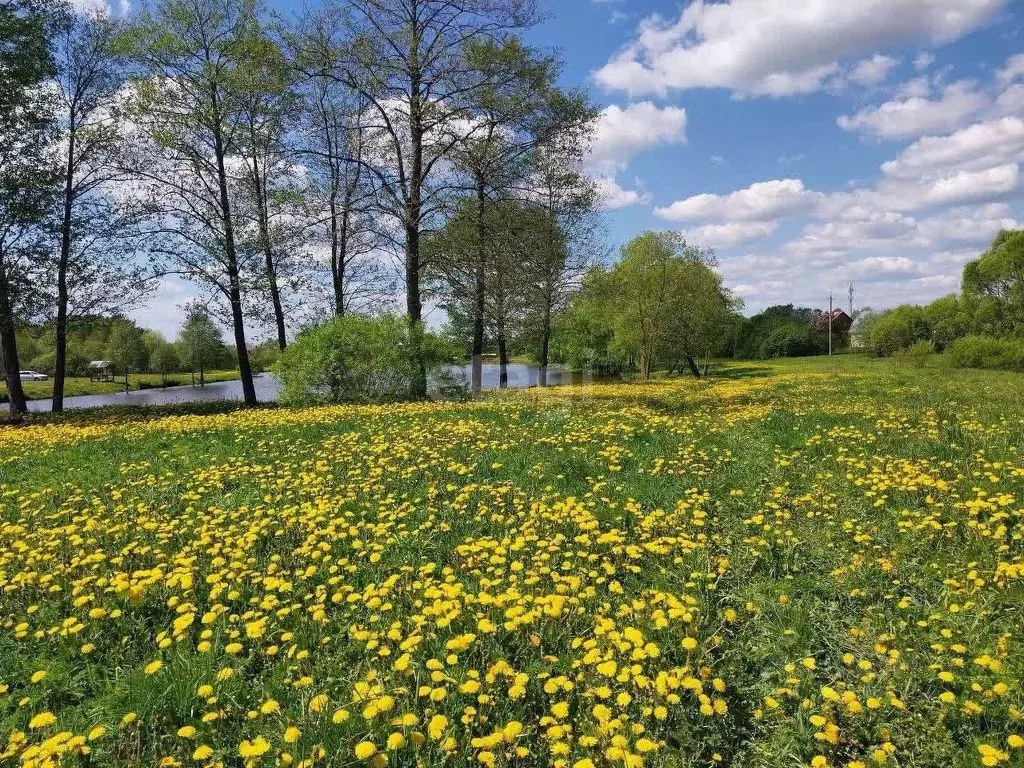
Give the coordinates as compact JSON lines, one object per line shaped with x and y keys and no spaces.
{"x":692,"y":365}
{"x":479,"y":291}
{"x":545,"y":344}
{"x":336,"y":283}
{"x":275,"y":297}
{"x":414,"y":309}
{"x":645,"y":372}
{"x":237,"y":322}
{"x":61,"y":340}
{"x":502,"y":359}
{"x":9,"y":349}
{"x":413,"y":210}
{"x":339,"y":249}
{"x":126,"y":380}
{"x":268,"y":250}
{"x":234,"y":287}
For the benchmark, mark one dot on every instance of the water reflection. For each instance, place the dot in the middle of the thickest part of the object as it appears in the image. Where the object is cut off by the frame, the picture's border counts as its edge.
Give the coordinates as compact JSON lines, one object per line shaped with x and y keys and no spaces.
{"x":268,"y":388}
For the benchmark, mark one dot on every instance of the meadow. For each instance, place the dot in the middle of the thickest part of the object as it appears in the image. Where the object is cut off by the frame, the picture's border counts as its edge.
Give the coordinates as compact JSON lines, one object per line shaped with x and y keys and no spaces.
{"x":810,"y":563}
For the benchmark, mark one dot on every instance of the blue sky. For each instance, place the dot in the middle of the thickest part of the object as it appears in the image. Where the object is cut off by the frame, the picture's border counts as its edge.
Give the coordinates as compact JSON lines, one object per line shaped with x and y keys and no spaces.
{"x":810,"y":142}
{"x":823,"y":140}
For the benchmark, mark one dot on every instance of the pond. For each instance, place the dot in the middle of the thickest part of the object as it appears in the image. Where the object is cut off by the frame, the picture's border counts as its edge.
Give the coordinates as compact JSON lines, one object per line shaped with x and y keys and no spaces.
{"x":268,"y":388}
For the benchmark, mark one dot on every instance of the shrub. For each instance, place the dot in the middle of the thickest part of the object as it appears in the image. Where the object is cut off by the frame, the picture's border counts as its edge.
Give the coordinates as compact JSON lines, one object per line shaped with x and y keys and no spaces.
{"x":897,"y":329}
{"x":918,"y":352}
{"x":987,"y":352}
{"x":791,"y":340}
{"x":946,"y":321}
{"x":355,"y":360}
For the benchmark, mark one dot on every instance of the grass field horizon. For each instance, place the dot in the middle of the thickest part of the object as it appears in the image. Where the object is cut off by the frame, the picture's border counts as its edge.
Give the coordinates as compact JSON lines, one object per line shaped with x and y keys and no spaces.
{"x":813,"y":562}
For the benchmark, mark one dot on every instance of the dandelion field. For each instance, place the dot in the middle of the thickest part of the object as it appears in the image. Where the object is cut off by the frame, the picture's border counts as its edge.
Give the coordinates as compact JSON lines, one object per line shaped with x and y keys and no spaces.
{"x":803,"y":564}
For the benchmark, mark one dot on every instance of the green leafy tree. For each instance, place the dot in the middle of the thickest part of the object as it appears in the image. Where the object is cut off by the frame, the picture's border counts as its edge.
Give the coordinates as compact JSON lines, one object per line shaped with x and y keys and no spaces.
{"x":164,"y":360}
{"x":897,"y":329}
{"x":127,"y":350}
{"x":946,"y":321}
{"x":993,"y":286}
{"x":572,"y":237}
{"x":265,"y":355}
{"x":779,"y":331}
{"x":190,"y":56}
{"x":515,"y":116}
{"x":513,"y":232}
{"x":199,"y":341}
{"x":28,"y":175}
{"x":661,"y":300}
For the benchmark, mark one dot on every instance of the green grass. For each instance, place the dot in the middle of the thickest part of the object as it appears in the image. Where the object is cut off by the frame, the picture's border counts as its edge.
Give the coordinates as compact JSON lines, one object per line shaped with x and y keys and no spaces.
{"x":80,"y":385}
{"x":841,"y":542}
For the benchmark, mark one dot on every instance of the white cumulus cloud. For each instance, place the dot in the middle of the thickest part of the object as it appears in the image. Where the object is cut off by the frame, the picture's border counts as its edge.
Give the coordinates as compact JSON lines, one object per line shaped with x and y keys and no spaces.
{"x":980,"y":146}
{"x":762,"y":201}
{"x":614,"y":196}
{"x":729,"y":233}
{"x":873,"y":70}
{"x":777,"y":47}
{"x":917,"y":115}
{"x":621,"y":134}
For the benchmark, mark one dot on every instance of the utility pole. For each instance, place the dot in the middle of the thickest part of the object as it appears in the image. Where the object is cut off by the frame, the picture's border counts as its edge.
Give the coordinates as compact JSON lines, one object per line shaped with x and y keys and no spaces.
{"x":830,"y":324}
{"x":851,"y":300}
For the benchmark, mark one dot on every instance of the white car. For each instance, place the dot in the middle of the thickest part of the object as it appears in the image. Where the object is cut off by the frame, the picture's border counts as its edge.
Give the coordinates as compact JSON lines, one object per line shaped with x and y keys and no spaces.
{"x":32,"y":376}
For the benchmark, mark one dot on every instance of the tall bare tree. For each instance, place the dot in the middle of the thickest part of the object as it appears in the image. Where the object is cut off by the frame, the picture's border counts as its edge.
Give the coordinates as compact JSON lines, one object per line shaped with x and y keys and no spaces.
{"x":268,"y":109}
{"x":415,"y":64}
{"x":186,"y":104}
{"x":96,"y":270}
{"x":571,"y":239}
{"x":340,"y":192}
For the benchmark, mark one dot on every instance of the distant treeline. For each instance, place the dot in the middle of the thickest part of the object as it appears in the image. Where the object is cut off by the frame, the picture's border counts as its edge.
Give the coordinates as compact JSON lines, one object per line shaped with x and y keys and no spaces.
{"x":981,"y":327}
{"x":101,"y":338}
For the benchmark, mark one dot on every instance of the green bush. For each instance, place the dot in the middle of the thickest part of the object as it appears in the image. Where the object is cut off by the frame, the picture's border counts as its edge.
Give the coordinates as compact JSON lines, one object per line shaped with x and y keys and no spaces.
{"x":987,"y":352}
{"x":790,"y":340}
{"x":917,"y":353}
{"x":897,"y":329}
{"x":355,"y":360}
